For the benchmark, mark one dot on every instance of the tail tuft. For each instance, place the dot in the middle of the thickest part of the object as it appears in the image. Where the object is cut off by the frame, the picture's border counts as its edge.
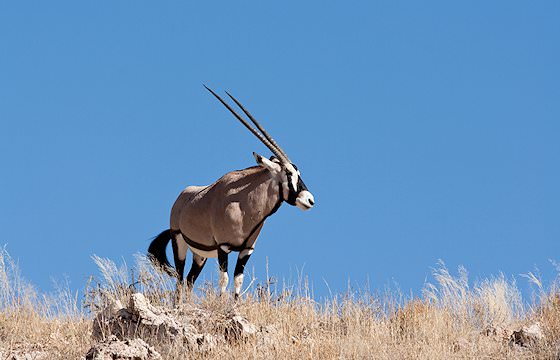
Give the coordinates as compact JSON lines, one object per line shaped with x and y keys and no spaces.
{"x":156,"y":251}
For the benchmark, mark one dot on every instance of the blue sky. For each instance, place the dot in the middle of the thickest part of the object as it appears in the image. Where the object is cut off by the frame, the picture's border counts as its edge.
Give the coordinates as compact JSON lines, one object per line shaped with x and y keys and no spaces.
{"x":425,"y":130}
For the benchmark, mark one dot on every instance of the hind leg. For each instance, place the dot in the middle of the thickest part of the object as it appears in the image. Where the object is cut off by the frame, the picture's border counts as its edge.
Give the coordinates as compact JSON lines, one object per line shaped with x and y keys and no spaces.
{"x":196,"y":267}
{"x":179,"y":254}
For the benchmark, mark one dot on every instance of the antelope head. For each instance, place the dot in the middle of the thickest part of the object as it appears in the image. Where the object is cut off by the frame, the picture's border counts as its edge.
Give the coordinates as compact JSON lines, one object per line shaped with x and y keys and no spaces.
{"x":294,"y":191}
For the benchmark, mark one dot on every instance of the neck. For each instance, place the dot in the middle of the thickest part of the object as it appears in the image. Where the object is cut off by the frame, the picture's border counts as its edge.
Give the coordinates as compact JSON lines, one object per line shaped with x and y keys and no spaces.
{"x":271,"y":188}
{"x":266,"y":201}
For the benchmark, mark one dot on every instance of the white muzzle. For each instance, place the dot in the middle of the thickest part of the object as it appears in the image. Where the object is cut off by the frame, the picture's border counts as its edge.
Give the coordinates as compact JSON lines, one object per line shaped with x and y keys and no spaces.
{"x":305,"y":200}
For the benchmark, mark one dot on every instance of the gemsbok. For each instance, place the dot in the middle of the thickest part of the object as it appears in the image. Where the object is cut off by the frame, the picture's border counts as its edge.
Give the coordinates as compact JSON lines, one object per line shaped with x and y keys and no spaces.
{"x":228,"y":215}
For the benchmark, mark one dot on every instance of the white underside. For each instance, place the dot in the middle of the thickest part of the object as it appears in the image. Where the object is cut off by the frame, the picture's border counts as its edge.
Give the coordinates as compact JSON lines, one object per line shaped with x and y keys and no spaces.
{"x":182,"y":246}
{"x":205,"y":254}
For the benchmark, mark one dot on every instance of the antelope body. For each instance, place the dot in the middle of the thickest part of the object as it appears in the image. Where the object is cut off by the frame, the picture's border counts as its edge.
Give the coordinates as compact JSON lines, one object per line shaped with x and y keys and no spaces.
{"x":228,"y":215}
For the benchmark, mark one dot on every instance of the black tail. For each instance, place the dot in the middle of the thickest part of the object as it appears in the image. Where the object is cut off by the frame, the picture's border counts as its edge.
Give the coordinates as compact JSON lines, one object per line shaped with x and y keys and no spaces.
{"x":156,"y":251}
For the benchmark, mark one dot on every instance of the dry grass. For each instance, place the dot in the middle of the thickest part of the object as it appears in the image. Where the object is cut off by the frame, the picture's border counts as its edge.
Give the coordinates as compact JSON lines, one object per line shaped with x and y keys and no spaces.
{"x":452,"y":319}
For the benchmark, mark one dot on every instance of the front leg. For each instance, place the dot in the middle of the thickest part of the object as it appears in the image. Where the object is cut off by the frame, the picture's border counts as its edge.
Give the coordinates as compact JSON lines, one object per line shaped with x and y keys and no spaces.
{"x":242,"y":259}
{"x":223,"y":264}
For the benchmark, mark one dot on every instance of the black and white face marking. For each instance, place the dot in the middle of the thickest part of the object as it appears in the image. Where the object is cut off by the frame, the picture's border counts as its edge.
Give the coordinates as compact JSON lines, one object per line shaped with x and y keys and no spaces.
{"x":296,"y":193}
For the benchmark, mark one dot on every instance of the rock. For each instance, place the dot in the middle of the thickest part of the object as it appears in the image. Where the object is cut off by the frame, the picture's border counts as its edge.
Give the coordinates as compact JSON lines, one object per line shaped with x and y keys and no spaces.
{"x":528,"y":336}
{"x":142,"y":320}
{"x":115,"y":349}
{"x":186,"y":327}
{"x":138,"y":319}
{"x":152,"y":320}
{"x":240,"y":328}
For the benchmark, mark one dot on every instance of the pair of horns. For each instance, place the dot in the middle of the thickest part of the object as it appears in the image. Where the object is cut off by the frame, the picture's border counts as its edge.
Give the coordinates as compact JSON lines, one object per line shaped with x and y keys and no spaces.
{"x":263,"y":136}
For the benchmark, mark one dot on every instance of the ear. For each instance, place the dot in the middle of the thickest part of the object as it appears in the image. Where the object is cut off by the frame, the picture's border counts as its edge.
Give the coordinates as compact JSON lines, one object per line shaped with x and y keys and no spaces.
{"x":274,"y":159}
{"x":272,"y":166}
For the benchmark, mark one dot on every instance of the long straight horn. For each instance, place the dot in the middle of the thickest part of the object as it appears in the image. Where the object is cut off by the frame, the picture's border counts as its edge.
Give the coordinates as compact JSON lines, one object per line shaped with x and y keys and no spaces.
{"x":262,"y":130}
{"x":248,"y":126}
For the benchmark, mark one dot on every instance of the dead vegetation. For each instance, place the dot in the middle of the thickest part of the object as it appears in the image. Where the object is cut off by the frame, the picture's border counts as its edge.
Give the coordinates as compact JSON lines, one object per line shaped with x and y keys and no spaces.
{"x":132,"y":314}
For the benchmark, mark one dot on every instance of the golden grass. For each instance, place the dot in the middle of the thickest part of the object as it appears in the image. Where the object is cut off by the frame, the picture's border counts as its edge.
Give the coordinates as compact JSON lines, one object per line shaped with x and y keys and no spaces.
{"x":452,"y":319}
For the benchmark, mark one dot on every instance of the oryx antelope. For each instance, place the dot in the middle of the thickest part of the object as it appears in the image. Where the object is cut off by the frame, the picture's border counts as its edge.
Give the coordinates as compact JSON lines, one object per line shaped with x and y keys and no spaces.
{"x":228,"y":215}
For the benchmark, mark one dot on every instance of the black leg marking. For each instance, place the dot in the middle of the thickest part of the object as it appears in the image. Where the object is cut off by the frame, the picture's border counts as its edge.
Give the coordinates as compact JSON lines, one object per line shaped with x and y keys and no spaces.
{"x":238,"y":273}
{"x":179,"y":264}
{"x":240,"y":265}
{"x":223,"y":263}
{"x":197,"y":265}
{"x":222,"y":260}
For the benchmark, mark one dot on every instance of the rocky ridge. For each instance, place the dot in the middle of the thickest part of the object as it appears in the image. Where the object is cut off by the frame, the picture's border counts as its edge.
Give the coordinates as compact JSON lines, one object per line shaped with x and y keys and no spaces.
{"x":129,"y":332}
